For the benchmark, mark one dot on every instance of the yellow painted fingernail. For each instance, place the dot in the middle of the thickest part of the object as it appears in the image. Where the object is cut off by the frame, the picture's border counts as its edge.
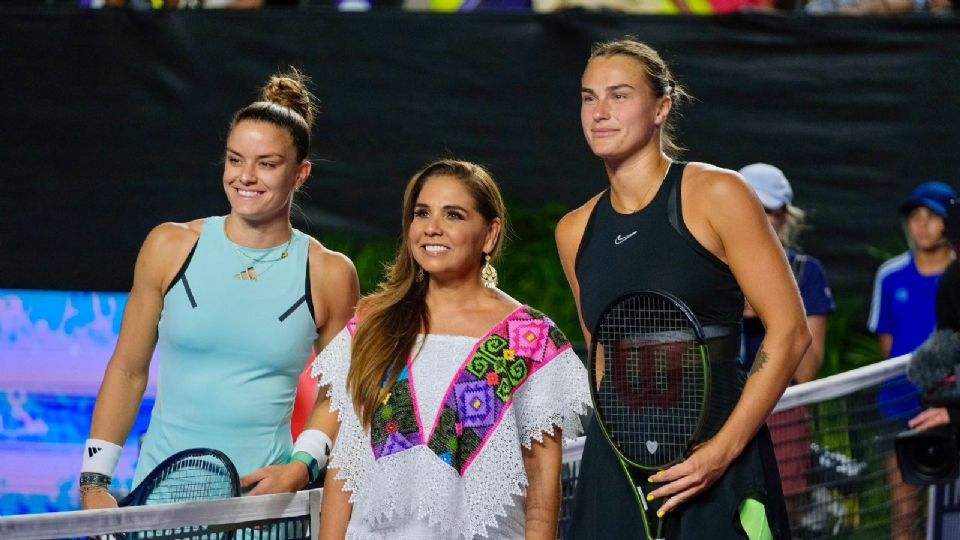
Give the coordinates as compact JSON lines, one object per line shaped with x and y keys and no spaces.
{"x":649,"y":497}
{"x":660,"y":513}
{"x":652,"y":479}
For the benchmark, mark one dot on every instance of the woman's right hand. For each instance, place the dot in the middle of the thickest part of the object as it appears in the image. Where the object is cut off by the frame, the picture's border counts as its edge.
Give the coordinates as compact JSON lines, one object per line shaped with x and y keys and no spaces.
{"x":97,"y":499}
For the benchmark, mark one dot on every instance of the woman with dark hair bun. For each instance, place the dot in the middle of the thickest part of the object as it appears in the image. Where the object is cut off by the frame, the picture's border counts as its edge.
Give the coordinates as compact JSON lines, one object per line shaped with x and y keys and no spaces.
{"x":233,"y":305}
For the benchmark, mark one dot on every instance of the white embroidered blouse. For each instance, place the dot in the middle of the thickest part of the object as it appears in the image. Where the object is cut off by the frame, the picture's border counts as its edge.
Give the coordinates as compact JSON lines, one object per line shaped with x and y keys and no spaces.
{"x":443,"y":459}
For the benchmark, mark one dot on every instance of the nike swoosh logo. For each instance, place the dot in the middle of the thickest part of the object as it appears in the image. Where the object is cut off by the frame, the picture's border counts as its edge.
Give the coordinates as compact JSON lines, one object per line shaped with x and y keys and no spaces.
{"x":621,"y":239}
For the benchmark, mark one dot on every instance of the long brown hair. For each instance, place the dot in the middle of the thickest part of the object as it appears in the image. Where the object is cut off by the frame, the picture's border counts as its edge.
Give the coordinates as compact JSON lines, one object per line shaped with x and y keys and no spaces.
{"x":659,"y":77}
{"x":396,"y":313}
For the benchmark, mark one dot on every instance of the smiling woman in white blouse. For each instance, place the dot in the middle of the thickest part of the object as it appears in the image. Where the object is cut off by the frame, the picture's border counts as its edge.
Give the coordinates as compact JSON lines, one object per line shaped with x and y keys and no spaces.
{"x":454,"y":398}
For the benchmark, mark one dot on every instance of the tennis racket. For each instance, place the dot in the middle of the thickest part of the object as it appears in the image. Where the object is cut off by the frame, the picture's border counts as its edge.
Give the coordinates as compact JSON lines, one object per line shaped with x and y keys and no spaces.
{"x":196,"y":474}
{"x":651,"y":402}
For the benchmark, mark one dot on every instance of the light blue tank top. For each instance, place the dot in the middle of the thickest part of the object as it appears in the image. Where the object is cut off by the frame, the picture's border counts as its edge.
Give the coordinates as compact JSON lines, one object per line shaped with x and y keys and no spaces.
{"x":231,"y":352}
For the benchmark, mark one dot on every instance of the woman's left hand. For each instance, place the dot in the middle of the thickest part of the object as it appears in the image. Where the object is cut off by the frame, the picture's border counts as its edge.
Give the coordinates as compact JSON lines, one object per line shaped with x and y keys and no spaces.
{"x":691,"y":476}
{"x":929,"y":419}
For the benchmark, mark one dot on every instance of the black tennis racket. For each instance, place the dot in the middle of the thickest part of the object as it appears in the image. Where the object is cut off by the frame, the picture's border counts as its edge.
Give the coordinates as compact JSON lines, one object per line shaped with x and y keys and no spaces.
{"x":651,"y":402}
{"x":193,"y":475}
{"x":196,"y":474}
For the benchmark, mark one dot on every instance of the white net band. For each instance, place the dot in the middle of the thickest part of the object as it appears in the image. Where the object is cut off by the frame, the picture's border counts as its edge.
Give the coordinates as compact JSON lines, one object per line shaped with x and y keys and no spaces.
{"x":171,"y":520}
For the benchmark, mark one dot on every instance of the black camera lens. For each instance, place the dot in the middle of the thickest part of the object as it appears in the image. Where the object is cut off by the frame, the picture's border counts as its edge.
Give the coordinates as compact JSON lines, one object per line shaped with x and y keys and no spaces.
{"x":928,"y":457}
{"x":932,"y":458}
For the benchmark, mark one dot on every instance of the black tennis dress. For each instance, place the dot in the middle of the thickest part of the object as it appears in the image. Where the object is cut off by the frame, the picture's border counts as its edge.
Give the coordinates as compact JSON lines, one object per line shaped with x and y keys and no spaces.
{"x":653,"y":249}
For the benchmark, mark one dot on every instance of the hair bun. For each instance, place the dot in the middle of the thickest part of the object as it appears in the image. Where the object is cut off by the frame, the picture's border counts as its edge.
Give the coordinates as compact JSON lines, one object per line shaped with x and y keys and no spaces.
{"x":290,"y":89}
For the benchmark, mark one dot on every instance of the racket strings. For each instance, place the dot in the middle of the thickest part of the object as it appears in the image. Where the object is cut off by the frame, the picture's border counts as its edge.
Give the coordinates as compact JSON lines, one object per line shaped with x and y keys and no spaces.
{"x":654,"y":384}
{"x":727,"y":378}
{"x":194,"y":478}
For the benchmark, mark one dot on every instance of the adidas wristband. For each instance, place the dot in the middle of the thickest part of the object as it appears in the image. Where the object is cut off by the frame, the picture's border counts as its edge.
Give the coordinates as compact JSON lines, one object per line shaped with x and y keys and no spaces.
{"x":313,"y":446}
{"x":100,"y":457}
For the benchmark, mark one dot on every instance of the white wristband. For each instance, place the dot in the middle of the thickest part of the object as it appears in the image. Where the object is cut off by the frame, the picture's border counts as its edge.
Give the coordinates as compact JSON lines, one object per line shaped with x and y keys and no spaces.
{"x":316,"y":443}
{"x":100,"y":457}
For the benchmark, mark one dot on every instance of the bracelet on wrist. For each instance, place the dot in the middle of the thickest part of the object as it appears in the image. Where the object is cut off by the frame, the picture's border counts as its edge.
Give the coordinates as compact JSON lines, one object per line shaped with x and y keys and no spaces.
{"x":90,"y":488}
{"x":94,"y":479}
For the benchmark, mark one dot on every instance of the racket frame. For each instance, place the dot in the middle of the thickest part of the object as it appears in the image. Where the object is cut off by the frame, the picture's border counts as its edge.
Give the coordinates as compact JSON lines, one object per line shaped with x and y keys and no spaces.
{"x":626,"y":463}
{"x":143,"y":490}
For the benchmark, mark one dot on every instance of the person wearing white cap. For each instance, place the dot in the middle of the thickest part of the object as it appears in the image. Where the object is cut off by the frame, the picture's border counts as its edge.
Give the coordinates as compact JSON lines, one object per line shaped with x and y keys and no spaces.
{"x":790,"y":429}
{"x":776,"y":196}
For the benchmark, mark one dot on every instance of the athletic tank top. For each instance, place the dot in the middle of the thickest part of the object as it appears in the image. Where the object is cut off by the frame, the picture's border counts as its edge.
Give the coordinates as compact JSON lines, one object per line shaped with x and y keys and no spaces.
{"x":231,"y":352}
{"x":653,"y":249}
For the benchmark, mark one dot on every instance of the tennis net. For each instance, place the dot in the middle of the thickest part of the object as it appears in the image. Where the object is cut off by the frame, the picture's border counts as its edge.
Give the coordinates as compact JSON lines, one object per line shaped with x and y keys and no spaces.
{"x":285,"y":516}
{"x":834,"y":443}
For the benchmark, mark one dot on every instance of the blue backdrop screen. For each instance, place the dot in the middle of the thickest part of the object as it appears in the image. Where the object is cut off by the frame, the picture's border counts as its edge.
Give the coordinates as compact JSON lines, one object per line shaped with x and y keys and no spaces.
{"x":54,"y":348}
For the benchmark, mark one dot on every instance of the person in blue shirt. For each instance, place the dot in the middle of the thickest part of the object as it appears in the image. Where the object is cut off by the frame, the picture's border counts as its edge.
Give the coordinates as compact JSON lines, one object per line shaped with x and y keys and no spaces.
{"x":903,"y":315}
{"x":776,"y":196}
{"x":948,"y":318}
{"x":790,"y":429}
{"x":902,"y":310}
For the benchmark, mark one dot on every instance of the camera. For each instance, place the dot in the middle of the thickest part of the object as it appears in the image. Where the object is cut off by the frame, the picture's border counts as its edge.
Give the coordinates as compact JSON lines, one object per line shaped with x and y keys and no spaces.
{"x":928,"y":457}
{"x":932,"y":456}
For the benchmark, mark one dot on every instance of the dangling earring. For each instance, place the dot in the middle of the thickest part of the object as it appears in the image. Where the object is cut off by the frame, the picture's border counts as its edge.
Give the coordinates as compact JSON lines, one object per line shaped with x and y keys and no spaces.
{"x":419,"y":276}
{"x":488,"y":274}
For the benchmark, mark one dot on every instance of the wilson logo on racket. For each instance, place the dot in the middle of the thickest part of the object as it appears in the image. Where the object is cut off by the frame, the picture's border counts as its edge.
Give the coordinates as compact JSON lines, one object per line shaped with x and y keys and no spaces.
{"x":656,"y":370}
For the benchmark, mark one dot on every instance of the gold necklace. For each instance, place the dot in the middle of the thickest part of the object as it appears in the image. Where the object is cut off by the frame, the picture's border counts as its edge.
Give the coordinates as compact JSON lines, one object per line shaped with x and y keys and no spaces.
{"x":250,"y":272}
{"x":261,"y":259}
{"x":643,"y":198}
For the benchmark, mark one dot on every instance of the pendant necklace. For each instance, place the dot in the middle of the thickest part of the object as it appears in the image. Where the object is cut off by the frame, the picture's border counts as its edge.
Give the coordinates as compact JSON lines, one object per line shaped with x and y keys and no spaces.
{"x":250,"y":273}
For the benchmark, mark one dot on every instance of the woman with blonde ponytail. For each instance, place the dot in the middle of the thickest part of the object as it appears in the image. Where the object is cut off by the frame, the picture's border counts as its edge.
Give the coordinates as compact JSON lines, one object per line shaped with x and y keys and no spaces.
{"x":454,"y":398}
{"x":233,"y":304}
{"x":697,"y":232}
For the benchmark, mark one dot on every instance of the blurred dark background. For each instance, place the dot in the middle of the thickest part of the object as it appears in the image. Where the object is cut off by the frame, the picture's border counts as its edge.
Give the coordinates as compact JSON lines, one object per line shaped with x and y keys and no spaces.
{"x":115,"y":120}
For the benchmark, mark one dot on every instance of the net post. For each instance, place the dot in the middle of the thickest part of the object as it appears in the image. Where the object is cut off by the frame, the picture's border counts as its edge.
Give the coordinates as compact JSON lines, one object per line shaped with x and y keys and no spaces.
{"x":316,"y":497}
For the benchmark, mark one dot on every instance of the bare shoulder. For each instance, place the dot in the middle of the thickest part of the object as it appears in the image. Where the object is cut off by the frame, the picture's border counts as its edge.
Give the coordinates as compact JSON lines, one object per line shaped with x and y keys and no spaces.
{"x":708,"y":183}
{"x":575,"y":221}
{"x":571,"y":227}
{"x":335,"y":289}
{"x":329,"y":267}
{"x":172,"y":235}
{"x":171,"y":241}
{"x":164,"y":250}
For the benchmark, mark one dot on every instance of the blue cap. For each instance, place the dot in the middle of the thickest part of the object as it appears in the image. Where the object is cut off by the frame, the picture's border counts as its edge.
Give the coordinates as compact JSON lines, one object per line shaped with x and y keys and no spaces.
{"x":934,"y":195}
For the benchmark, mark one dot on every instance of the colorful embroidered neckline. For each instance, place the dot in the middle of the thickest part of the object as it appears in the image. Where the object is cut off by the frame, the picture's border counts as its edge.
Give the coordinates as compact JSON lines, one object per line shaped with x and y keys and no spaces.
{"x":478,"y":397}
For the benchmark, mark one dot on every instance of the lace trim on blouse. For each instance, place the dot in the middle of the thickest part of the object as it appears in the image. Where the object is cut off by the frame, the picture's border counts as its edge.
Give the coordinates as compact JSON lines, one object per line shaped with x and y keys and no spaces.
{"x":418,"y":481}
